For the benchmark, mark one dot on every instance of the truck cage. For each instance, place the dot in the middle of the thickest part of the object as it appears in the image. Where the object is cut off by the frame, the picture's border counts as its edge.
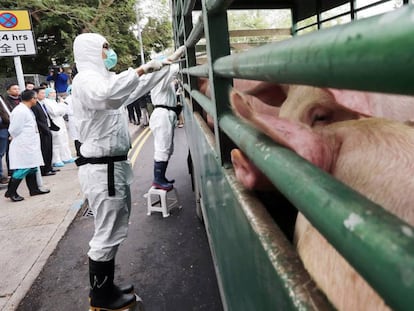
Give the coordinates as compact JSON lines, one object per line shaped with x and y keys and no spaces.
{"x":257,"y":267}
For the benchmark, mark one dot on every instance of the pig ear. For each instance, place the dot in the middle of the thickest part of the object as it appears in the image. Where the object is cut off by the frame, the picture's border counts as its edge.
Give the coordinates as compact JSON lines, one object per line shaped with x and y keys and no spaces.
{"x":245,"y":105}
{"x":355,"y":101}
{"x":272,"y":94}
{"x":302,"y":139}
{"x":240,"y":104}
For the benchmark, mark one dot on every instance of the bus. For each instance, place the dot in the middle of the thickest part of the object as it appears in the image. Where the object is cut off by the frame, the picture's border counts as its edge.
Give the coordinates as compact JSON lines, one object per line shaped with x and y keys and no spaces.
{"x":250,"y":232}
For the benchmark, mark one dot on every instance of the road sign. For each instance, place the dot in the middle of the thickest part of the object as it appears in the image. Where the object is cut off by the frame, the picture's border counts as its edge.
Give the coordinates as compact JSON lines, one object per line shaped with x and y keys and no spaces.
{"x":16,"y":35}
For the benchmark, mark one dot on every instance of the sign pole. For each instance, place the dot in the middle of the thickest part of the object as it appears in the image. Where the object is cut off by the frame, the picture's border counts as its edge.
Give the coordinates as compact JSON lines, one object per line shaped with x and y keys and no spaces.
{"x":19,"y":72}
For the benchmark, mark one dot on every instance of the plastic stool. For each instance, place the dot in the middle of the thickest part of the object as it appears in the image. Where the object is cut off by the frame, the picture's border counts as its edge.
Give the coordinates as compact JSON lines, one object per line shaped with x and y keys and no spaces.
{"x":164,"y":201}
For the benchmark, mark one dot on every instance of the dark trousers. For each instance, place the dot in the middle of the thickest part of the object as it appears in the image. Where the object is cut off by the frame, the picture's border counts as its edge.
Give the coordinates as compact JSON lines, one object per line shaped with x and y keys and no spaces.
{"x":46,"y":146}
{"x":9,"y":171}
{"x":134,"y":113}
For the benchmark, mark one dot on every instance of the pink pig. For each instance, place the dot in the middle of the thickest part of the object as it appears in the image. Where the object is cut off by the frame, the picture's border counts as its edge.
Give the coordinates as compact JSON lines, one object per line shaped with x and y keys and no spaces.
{"x":327,"y":127}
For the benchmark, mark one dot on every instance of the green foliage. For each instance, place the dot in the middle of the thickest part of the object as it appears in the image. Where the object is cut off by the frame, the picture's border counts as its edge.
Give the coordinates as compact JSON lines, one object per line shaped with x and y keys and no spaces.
{"x":56,"y":23}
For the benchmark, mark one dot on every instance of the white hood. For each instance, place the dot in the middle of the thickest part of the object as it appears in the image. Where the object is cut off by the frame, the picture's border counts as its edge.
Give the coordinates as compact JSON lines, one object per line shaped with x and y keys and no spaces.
{"x":87,"y":50}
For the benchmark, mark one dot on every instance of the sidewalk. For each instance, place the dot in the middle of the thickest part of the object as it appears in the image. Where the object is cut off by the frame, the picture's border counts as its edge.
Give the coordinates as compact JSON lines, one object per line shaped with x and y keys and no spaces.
{"x":31,"y":229}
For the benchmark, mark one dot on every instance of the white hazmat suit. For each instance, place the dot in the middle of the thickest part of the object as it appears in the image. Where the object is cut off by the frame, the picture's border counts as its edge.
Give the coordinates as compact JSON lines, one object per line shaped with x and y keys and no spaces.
{"x":97,"y":97}
{"x":163,"y":121}
{"x":105,"y":174}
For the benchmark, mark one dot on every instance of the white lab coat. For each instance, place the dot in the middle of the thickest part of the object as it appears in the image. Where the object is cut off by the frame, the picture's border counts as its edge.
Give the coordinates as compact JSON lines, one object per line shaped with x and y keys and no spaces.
{"x":97,"y":97}
{"x":163,"y":121}
{"x":72,"y":128}
{"x":24,"y":150}
{"x":60,"y":143}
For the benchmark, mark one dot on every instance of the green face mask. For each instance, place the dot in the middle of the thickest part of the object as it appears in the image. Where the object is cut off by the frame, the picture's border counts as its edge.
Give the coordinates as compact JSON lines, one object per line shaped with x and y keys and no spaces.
{"x":111,"y":58}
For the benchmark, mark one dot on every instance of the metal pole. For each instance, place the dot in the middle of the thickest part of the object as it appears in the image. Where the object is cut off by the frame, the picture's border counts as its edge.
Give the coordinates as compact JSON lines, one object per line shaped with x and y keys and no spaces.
{"x":19,"y":72}
{"x":140,"y":36}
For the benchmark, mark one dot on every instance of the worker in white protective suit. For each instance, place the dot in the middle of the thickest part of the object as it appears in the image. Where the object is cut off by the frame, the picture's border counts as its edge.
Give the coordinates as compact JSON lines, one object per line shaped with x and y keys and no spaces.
{"x":105,"y":174}
{"x":162,"y":124}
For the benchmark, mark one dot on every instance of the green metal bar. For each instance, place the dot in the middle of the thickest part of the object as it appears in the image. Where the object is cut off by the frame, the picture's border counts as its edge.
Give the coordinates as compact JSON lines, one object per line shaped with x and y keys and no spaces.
{"x":218,"y":45}
{"x":203,"y":100}
{"x":214,"y":6}
{"x":181,"y":26}
{"x":368,"y":54}
{"x":196,"y":34}
{"x":386,"y":261}
{"x":178,"y":7}
{"x":198,"y":71}
{"x":188,"y":7}
{"x":276,"y":278}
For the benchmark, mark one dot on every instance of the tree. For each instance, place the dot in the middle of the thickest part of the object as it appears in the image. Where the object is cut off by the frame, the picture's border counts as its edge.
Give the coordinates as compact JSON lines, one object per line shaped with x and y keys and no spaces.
{"x":56,"y":24}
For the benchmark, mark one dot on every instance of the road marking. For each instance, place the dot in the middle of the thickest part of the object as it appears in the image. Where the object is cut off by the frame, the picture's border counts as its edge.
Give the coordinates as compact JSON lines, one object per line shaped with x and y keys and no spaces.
{"x":137,"y":139}
{"x":140,"y":145}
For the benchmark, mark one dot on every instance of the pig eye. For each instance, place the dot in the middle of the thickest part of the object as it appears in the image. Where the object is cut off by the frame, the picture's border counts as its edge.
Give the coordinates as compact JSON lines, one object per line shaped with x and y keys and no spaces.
{"x":321,"y":116}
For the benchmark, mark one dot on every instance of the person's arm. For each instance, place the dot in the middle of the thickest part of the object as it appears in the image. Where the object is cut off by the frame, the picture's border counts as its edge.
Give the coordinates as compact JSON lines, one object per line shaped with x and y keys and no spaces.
{"x":50,"y":76}
{"x":63,"y":77}
{"x":17,"y":121}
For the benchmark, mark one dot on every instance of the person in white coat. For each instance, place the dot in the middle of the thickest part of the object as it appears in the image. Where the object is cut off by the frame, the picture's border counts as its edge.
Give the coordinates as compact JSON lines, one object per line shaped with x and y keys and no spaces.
{"x":72,"y":128}
{"x":24,"y":152}
{"x":105,"y":174}
{"x":162,"y":124}
{"x":61,"y":153}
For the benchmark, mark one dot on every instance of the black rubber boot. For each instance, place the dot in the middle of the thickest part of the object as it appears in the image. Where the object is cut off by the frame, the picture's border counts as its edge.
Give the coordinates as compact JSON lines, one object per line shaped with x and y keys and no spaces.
{"x":31,"y":183}
{"x":171,"y":181}
{"x":159,"y":176}
{"x":12,"y":190}
{"x":125,"y":289}
{"x":104,"y":295}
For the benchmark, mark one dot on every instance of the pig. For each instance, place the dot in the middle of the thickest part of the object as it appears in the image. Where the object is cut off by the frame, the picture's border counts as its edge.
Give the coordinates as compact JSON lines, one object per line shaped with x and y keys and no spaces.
{"x":315,"y":107}
{"x":332,"y":132}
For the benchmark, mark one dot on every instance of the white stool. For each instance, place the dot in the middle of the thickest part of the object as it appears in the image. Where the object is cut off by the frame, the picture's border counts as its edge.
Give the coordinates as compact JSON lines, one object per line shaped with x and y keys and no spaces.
{"x":164,"y":201}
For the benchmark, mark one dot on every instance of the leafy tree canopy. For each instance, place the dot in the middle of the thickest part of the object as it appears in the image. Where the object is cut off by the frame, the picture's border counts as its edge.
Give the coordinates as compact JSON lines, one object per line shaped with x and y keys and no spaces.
{"x":56,"y":23}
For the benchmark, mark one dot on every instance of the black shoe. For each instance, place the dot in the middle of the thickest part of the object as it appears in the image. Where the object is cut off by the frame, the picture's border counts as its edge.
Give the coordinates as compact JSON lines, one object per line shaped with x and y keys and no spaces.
{"x":49,"y":173}
{"x":54,"y":170}
{"x":12,"y":190}
{"x":16,"y":198}
{"x":31,"y":182}
{"x":39,"y":191}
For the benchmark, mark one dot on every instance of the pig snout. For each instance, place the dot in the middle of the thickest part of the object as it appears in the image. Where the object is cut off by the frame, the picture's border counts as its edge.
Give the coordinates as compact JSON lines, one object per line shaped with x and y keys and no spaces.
{"x":248,"y":174}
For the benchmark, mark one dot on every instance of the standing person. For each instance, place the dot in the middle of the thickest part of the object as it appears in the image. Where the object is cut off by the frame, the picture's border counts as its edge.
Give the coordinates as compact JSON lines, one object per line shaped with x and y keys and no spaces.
{"x":58,"y":75}
{"x":105,"y":174}
{"x":72,"y":128}
{"x":13,"y":96}
{"x":61,"y":154}
{"x":4,"y":136}
{"x":162,"y":123}
{"x":143,"y":102}
{"x":12,"y":100}
{"x":25,"y":154}
{"x":45,"y":125}
{"x":179,"y":92}
{"x":134,"y":113}
{"x":29,"y":85}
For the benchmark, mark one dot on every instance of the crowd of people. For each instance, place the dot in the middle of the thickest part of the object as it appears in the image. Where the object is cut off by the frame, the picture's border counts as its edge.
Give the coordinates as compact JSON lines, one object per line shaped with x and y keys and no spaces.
{"x":29,"y":127}
{"x":34,"y":139}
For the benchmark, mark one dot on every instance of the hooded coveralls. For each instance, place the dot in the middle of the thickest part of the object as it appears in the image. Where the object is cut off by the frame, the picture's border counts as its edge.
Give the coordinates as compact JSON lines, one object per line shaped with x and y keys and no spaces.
{"x":162,"y":121}
{"x":97,"y":97}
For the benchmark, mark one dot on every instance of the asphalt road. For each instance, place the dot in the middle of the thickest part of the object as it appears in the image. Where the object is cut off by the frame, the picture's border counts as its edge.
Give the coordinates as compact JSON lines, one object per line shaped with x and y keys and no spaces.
{"x":167,"y":259}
